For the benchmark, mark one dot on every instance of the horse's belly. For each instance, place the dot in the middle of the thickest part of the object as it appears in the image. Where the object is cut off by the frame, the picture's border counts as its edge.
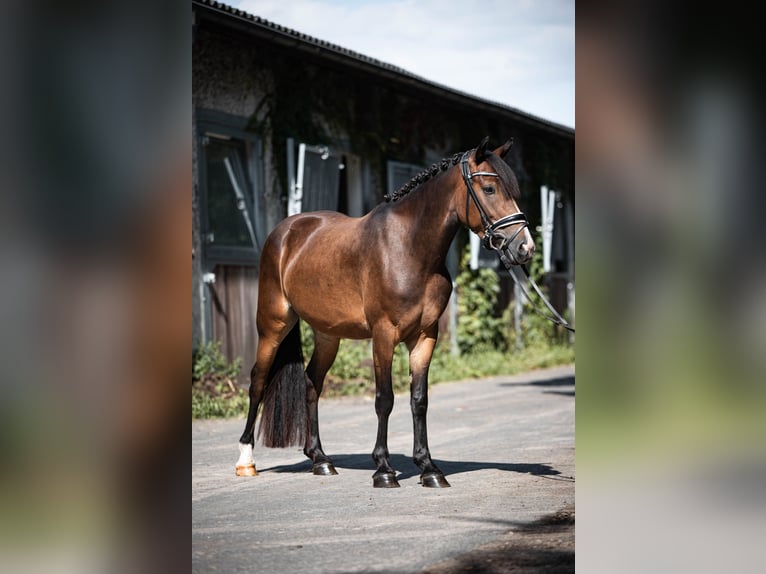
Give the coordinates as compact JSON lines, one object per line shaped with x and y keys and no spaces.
{"x":342,"y":330}
{"x":329,"y":306}
{"x":337,"y":319}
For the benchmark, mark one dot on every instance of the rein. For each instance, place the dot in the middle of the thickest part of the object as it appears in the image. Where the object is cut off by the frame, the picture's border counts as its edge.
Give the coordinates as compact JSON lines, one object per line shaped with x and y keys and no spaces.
{"x":518,"y":272}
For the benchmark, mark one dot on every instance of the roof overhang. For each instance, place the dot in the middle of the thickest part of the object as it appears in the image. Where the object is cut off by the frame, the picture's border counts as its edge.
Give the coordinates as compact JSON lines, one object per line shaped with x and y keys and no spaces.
{"x":234,"y":19}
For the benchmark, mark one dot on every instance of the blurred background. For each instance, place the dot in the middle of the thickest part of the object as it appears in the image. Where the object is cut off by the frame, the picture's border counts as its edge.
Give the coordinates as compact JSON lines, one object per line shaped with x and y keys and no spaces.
{"x":95,"y":227}
{"x":95,"y":198}
{"x":671,"y":353}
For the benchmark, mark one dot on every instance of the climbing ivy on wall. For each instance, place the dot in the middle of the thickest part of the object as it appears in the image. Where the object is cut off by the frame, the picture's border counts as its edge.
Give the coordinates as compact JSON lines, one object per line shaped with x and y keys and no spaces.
{"x":317,"y":103}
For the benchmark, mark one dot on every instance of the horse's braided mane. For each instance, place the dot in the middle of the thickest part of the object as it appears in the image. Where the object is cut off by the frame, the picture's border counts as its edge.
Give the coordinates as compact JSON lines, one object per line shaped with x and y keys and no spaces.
{"x":424,"y":176}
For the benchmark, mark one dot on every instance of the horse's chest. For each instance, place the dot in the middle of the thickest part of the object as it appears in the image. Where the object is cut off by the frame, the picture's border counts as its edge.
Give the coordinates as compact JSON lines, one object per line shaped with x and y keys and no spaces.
{"x":421,"y":300}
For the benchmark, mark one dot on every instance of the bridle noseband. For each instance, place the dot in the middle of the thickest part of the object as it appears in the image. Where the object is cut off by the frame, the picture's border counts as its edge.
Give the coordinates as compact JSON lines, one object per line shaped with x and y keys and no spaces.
{"x":492,"y":239}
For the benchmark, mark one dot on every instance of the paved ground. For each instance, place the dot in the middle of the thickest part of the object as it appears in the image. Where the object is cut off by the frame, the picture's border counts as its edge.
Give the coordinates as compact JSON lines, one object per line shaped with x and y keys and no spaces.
{"x":506,"y":445}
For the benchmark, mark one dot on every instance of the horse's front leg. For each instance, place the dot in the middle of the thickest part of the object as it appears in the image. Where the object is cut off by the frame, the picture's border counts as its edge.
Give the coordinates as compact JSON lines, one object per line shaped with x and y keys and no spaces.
{"x":383,"y":354}
{"x":420,"y":360}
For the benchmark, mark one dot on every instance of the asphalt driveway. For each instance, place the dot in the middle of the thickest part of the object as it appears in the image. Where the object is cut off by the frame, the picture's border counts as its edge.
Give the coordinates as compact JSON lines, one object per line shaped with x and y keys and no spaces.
{"x":506,"y":445}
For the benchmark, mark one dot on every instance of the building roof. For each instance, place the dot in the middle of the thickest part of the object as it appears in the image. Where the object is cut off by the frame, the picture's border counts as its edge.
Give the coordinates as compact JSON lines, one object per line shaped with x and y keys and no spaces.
{"x":249,"y":23}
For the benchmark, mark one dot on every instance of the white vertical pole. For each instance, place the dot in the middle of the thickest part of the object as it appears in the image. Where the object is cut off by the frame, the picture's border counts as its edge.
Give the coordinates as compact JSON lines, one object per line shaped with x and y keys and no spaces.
{"x":290,"y":174}
{"x":295,"y":193}
{"x":518,"y":309}
{"x":203,"y":313}
{"x":548,"y":205}
{"x":475,"y":246}
{"x":453,"y":346}
{"x":571,"y":306}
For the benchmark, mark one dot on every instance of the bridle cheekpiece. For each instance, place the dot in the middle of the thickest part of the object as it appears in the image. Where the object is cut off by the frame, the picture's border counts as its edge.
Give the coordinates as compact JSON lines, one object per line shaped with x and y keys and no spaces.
{"x":492,"y":239}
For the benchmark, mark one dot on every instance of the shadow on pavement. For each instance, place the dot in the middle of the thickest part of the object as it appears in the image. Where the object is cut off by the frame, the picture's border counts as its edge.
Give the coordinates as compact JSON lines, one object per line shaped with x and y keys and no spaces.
{"x":557,"y":382}
{"x":408,"y":469}
{"x":562,"y":393}
{"x":545,"y":545}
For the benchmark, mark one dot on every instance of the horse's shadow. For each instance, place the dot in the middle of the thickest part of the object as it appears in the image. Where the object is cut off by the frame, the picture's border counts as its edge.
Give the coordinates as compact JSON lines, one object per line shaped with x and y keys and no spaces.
{"x":567,"y":381}
{"x":407,"y":467}
{"x":556,"y":382}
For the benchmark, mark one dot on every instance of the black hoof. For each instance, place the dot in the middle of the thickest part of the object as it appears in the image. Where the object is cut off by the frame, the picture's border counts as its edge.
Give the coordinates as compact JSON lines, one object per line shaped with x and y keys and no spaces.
{"x":434,"y":480}
{"x":324,"y":469}
{"x":385,"y":480}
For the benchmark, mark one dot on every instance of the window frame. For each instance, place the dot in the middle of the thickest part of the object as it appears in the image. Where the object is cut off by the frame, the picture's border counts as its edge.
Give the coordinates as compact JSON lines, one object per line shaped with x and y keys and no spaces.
{"x":210,"y":124}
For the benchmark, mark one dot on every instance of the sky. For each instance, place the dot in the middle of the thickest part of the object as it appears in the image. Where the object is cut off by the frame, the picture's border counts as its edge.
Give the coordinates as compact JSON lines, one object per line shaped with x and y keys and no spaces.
{"x":520,"y":53}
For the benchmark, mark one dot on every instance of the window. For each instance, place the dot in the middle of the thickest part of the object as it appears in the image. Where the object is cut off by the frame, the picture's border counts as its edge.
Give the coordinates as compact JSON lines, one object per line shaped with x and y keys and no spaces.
{"x":400,"y":173}
{"x":315,"y":182}
{"x":230,"y":174}
{"x":229,"y":197}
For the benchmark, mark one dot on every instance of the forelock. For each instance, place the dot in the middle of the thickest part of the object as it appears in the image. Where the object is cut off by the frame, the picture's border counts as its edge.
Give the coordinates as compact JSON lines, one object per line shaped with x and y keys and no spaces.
{"x":506,"y":175}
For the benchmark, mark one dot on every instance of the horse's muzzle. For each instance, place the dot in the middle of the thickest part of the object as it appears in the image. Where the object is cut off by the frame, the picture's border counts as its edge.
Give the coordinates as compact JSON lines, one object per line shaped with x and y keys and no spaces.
{"x":517,"y":253}
{"x":524,"y":252}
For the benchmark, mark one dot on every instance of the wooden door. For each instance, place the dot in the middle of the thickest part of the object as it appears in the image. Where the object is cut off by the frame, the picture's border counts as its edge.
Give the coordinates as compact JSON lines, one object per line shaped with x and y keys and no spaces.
{"x":234,"y":299}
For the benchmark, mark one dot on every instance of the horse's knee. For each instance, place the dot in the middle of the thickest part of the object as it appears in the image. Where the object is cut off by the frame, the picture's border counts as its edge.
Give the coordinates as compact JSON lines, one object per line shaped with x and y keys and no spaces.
{"x":419,"y":404}
{"x":419,"y":395}
{"x":384,"y":402}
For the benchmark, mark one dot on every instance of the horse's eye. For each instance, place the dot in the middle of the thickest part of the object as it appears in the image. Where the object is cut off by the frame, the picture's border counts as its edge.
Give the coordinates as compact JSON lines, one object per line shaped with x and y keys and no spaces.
{"x":488,"y":189}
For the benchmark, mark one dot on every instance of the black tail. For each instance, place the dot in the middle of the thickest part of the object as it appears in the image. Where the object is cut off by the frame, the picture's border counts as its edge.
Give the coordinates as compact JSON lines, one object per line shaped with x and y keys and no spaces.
{"x":284,"y":415}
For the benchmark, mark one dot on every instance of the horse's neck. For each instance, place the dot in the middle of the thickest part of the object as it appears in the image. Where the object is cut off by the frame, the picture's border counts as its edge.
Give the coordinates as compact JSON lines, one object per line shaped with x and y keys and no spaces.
{"x":431,"y":212}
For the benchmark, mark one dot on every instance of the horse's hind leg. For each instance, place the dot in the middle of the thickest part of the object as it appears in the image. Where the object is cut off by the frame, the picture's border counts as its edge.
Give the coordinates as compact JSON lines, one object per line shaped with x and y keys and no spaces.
{"x":246,"y":462}
{"x":270,"y":337}
{"x":420,"y":359}
{"x":325,"y":350}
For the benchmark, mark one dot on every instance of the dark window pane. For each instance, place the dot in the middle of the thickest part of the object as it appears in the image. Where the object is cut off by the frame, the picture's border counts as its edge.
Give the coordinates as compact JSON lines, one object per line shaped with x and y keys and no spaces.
{"x":229,"y":194}
{"x":320,"y":182}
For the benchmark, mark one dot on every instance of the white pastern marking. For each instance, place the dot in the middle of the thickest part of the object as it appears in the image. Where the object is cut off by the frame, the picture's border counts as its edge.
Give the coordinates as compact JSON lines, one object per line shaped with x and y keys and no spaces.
{"x":245,"y":455}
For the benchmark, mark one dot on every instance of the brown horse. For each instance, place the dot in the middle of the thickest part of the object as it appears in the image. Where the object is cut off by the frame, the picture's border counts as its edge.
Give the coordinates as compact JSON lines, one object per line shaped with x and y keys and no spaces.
{"x":380,"y":276}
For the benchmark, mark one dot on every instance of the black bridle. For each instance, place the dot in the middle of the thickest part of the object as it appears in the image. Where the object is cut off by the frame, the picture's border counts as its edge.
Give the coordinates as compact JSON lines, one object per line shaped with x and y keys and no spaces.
{"x":491,"y":236}
{"x":498,"y":242}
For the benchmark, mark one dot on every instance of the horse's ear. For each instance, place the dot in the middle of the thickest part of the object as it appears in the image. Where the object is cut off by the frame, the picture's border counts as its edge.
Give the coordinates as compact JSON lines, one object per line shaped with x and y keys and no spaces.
{"x":481,"y":151}
{"x":503,"y":150}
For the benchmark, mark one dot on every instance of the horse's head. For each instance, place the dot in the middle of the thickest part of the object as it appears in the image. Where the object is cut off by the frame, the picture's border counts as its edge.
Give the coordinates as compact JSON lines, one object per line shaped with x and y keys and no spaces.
{"x":491,"y":191}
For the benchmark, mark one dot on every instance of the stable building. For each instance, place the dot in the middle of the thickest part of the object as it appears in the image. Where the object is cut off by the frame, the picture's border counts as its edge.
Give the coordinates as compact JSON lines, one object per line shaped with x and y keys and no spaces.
{"x":284,"y":123}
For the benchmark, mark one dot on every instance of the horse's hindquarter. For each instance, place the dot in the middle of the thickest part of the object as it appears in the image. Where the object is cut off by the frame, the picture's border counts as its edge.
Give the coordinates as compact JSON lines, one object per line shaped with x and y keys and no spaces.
{"x":321,"y":267}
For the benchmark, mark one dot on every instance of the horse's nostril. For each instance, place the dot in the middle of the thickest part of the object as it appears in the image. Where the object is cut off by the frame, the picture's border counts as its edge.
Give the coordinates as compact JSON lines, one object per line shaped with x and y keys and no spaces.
{"x":526,"y":249}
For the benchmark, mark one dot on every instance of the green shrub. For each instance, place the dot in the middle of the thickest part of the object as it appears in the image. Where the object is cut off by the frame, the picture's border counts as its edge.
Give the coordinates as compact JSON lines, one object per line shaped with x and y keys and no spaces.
{"x":491,"y":362}
{"x":209,"y":361}
{"x":477,"y":326}
{"x":214,"y":389}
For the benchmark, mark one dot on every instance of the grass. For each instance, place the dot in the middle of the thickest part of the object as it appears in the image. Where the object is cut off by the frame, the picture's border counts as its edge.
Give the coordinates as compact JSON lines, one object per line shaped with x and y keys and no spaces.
{"x":352,"y":374}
